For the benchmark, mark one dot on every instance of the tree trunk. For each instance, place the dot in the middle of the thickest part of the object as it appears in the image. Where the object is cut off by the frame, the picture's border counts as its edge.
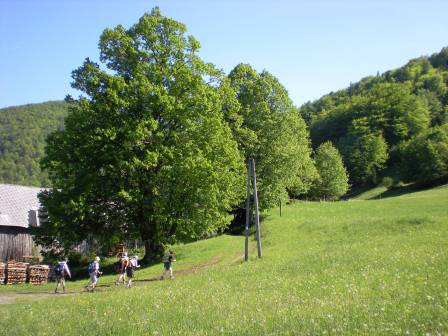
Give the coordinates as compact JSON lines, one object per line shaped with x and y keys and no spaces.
{"x":154,"y":248}
{"x":153,"y":251}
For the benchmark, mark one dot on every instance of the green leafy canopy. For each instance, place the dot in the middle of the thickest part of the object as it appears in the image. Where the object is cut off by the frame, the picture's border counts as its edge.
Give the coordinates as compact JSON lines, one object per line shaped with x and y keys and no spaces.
{"x":146,"y":151}
{"x":333,"y":178}
{"x":268,"y":128}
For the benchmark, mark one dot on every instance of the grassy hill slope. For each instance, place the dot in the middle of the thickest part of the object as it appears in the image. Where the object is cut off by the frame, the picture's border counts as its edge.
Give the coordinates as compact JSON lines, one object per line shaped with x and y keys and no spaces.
{"x":23,"y":130}
{"x":352,"y":267}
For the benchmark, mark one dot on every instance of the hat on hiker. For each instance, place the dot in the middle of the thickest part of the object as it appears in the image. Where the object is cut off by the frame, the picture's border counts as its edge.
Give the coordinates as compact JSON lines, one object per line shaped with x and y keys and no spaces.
{"x":97,"y":258}
{"x":136,"y":257}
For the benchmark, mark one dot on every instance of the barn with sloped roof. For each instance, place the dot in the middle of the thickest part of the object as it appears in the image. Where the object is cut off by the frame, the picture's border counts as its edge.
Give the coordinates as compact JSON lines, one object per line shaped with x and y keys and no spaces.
{"x":19,"y":210}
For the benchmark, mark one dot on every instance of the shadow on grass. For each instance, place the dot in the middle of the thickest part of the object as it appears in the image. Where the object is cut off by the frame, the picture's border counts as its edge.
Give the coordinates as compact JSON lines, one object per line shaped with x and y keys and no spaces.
{"x":400,"y":191}
{"x":354,"y":193}
{"x":395,"y":191}
{"x":80,"y":272}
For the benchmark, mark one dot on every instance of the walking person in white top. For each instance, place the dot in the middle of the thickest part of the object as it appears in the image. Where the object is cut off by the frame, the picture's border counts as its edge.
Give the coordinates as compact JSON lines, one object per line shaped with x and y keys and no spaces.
{"x":133,"y":264}
{"x":94,"y":272}
{"x":61,"y":271}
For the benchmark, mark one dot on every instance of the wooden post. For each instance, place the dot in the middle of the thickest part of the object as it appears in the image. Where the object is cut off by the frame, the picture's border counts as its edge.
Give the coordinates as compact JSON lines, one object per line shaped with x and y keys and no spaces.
{"x":280,"y":207}
{"x":246,"y":243}
{"x":257,"y":215}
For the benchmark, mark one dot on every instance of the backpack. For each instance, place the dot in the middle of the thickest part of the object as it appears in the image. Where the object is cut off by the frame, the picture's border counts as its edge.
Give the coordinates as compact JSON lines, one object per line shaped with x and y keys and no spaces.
{"x":59,"y":269}
{"x":124,"y":262}
{"x":91,"y":267}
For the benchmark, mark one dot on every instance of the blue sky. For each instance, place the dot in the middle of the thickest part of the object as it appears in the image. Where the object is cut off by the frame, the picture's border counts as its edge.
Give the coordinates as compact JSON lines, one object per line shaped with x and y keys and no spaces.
{"x":312,"y":47}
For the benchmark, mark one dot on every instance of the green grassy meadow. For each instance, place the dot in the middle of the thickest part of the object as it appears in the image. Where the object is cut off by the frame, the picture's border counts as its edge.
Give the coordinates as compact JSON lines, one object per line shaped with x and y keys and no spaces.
{"x":360,"y":267}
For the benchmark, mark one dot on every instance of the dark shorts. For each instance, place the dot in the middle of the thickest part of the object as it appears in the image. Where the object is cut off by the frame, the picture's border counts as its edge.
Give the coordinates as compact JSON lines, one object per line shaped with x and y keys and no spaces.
{"x":167,"y":265}
{"x":129,"y":272}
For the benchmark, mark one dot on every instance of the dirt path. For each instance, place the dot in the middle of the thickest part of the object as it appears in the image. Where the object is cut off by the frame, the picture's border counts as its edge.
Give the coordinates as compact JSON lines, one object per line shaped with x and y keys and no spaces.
{"x":10,"y":297}
{"x":184,"y":272}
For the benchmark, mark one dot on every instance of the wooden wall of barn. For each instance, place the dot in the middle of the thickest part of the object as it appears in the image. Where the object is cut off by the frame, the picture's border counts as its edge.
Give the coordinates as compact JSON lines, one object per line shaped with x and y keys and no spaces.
{"x":15,"y":242}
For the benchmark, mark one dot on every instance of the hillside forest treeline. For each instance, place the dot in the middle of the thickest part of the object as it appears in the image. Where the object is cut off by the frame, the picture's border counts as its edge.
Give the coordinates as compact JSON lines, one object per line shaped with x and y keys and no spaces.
{"x":391,"y":123}
{"x":394,"y":123}
{"x":23,"y":130}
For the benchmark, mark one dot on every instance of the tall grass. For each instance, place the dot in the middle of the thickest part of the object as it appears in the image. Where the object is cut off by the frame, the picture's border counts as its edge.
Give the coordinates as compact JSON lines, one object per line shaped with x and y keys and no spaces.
{"x":354,"y":267}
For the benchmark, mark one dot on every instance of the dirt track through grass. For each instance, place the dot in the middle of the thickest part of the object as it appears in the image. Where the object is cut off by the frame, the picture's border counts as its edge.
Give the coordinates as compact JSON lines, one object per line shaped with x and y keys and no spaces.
{"x":10,"y":297}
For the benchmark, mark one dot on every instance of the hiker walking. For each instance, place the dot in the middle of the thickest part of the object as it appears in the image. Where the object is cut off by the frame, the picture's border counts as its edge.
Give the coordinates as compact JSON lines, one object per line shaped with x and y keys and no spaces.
{"x":124,"y":264}
{"x":61,"y":271}
{"x":94,"y":272}
{"x":133,"y":264}
{"x":167,"y":268}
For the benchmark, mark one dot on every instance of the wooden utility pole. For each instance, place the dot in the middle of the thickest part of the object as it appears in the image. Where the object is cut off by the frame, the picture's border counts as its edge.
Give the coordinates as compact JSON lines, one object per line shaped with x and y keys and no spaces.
{"x":246,"y":244}
{"x":257,"y":215}
{"x":252,"y":177}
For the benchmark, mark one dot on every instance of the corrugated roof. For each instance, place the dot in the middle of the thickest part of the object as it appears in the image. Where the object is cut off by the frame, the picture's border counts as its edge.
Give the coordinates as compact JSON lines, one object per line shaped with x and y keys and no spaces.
{"x":17,"y":203}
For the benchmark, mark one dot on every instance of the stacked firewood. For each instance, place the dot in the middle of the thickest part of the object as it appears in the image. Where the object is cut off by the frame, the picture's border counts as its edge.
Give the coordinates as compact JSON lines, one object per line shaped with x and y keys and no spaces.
{"x":38,"y":274}
{"x":15,"y":272}
{"x":2,"y":273}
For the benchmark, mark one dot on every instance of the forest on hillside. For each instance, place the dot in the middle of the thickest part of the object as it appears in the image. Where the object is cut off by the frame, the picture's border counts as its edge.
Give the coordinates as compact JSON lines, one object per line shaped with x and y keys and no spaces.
{"x":392,"y":125}
{"x":23,"y":130}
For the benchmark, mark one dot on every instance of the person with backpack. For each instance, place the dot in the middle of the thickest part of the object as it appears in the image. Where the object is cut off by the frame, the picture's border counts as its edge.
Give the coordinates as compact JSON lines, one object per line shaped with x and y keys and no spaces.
{"x":61,"y":271}
{"x":133,"y":264}
{"x":94,"y":272}
{"x":167,"y":268}
{"x":124,"y":264}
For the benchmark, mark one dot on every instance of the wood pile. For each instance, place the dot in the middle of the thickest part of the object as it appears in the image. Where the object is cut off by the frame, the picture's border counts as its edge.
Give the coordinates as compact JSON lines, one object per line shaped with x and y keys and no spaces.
{"x":15,"y":272}
{"x":2,"y":273}
{"x":38,"y":274}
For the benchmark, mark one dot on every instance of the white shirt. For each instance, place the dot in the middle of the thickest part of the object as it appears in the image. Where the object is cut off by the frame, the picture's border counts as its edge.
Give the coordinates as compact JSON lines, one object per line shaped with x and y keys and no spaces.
{"x":96,"y":266}
{"x":134,"y":262}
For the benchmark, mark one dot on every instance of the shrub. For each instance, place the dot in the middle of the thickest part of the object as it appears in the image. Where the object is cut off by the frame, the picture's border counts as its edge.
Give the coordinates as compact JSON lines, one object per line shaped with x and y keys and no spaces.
{"x":333,"y":179}
{"x":387,"y":182}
